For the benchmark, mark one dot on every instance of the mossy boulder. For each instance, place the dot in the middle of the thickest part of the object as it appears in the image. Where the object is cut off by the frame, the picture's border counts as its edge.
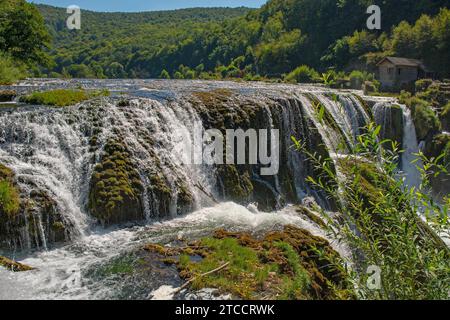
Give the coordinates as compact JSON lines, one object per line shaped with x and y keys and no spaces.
{"x":425,"y":119}
{"x":228,"y":109}
{"x":287,"y":264}
{"x":116,"y":188}
{"x":363,"y":178}
{"x":237,"y":186}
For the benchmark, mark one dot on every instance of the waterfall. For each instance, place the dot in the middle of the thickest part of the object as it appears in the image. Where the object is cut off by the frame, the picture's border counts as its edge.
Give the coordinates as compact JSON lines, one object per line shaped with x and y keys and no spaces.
{"x":48,"y":156}
{"x":397,"y":125}
{"x":409,"y":159}
{"x":52,"y":155}
{"x":57,"y":154}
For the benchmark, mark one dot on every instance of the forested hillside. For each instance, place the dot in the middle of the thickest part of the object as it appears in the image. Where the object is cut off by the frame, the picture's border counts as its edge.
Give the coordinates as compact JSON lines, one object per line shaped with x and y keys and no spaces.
{"x":118,"y":45}
{"x":271,"y":41}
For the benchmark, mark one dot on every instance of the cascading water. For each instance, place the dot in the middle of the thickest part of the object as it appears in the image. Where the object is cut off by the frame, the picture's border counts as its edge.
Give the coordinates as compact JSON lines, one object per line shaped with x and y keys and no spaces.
{"x":55,"y":155}
{"x":410,"y":159}
{"x":397,"y":125}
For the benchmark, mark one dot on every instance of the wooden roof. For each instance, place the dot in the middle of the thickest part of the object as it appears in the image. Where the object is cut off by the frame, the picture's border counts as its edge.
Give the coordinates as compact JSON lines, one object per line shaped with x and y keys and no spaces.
{"x":405,"y":62}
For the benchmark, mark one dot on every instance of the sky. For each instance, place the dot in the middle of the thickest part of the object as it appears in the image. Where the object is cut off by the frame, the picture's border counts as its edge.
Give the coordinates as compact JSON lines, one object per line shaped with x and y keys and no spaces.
{"x":148,"y":5}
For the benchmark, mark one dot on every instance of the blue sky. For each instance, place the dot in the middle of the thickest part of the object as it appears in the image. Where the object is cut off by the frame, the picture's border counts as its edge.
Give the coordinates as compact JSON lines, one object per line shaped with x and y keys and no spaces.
{"x":149,"y":5}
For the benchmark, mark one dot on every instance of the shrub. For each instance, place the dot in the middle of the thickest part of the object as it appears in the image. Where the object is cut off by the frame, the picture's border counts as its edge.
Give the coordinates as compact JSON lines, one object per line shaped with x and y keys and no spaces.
{"x":178,"y":75}
{"x":370,"y":87}
{"x":10,"y":71}
{"x":61,"y":97}
{"x":423,"y":84}
{"x":425,"y":119}
{"x":164,"y":75}
{"x":381,"y":220}
{"x":329,"y":78}
{"x":356,"y":79}
{"x":302,"y":74}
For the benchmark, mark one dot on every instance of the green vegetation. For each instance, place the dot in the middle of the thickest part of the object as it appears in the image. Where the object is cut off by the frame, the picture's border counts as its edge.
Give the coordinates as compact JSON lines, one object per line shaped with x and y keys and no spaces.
{"x":248,"y":44}
{"x":9,"y":198}
{"x":123,"y":265}
{"x":9,"y":194}
{"x":302,"y":74}
{"x":10,"y":71}
{"x":288,"y":264}
{"x":413,"y":260}
{"x":221,"y":43}
{"x":23,"y":40}
{"x":425,"y":119}
{"x":115,"y":187}
{"x":61,"y":97}
{"x":297,"y":287}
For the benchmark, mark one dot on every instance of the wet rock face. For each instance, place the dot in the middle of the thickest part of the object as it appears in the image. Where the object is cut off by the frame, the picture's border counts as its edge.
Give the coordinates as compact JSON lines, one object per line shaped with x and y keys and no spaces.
{"x":390,"y":117}
{"x":226,"y":109}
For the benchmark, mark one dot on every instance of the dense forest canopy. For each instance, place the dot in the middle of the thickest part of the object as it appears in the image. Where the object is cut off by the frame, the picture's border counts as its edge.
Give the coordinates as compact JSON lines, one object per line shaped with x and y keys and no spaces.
{"x":224,"y":42}
{"x":270,"y":41}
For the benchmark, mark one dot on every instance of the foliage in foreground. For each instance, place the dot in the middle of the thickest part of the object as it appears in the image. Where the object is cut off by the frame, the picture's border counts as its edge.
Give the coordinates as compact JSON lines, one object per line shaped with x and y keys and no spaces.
{"x":61,"y":97}
{"x":387,"y":225}
{"x":10,"y":71}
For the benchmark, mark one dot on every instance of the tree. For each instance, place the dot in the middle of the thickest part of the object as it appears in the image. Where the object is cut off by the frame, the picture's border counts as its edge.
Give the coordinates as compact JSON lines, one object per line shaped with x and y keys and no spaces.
{"x":23,"y":34}
{"x":115,"y":71}
{"x":80,"y":71}
{"x":164,"y":75}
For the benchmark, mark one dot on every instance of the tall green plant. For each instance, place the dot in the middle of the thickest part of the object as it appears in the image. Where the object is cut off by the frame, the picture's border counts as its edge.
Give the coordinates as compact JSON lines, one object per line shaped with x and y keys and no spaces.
{"x":386,"y":224}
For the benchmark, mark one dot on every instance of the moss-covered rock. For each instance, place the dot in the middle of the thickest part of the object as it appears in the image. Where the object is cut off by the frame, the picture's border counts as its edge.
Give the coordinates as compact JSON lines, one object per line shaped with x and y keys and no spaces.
{"x":287,"y":264}
{"x":425,"y":120}
{"x":62,"y":97}
{"x":237,"y":186}
{"x":363,"y":177}
{"x":116,"y":188}
{"x":423,"y":84}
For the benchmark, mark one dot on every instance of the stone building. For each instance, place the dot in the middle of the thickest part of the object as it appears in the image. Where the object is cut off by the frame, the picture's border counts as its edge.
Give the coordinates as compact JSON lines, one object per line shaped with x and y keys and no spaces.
{"x":396,"y":72}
